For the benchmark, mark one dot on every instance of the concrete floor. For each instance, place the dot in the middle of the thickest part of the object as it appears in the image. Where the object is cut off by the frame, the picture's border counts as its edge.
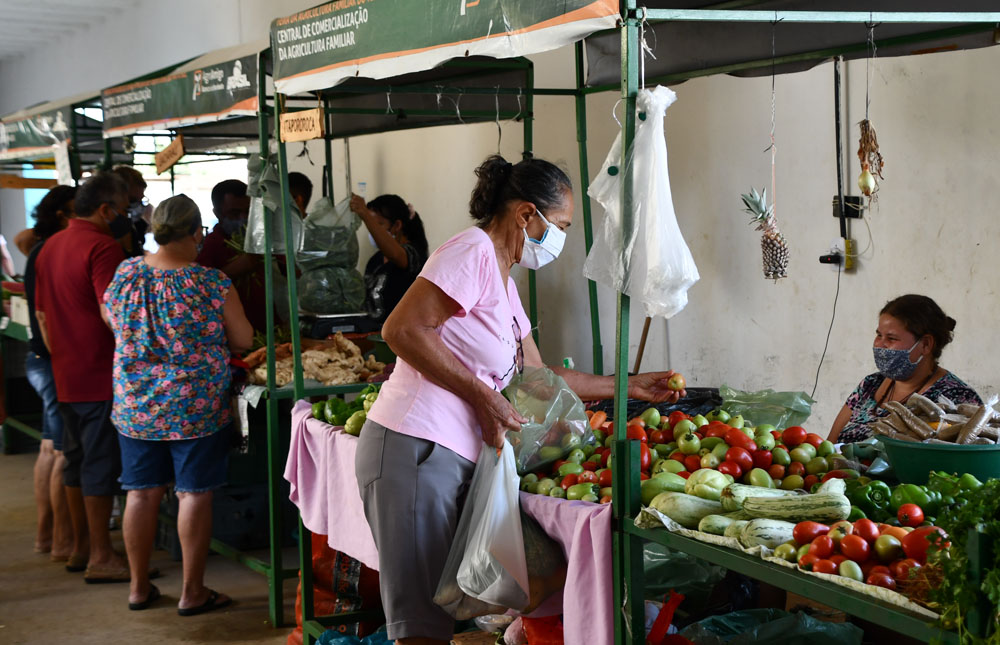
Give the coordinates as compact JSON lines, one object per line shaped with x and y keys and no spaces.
{"x":40,"y":602}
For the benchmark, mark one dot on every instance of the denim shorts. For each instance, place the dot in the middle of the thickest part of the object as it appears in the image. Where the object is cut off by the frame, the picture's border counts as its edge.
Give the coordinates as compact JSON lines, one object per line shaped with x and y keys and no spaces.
{"x":93,"y":459}
{"x":192,"y":465}
{"x":39,"y":373}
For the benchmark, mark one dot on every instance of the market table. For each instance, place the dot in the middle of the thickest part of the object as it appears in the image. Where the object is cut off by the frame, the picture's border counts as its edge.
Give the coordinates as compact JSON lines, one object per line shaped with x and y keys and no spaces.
{"x":320,"y":470}
{"x":27,"y":424}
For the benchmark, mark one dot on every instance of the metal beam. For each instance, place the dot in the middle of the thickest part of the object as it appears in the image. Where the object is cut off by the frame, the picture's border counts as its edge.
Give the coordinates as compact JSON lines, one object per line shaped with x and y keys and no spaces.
{"x":861,"y":17}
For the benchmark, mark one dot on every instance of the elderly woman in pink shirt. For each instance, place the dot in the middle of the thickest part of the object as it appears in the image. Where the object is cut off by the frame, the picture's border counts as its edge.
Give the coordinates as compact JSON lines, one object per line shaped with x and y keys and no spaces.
{"x":460,"y":333}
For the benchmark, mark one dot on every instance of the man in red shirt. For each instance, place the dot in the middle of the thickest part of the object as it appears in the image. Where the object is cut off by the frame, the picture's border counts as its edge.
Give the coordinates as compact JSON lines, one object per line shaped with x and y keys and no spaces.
{"x":231,"y":206}
{"x":72,"y":271}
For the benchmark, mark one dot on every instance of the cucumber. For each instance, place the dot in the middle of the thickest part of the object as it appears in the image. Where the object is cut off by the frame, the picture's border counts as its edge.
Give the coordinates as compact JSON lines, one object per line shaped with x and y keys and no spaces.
{"x":686,"y":510}
{"x":821,"y":507}
{"x":734,"y":495}
{"x":769,"y":533}
{"x":715,"y":524}
{"x":736,"y":528}
{"x":834,"y":486}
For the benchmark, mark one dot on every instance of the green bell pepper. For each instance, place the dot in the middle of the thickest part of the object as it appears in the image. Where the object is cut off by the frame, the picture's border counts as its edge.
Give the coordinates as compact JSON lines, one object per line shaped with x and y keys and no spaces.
{"x":968,"y":482}
{"x":856,"y":514}
{"x":872,"y":498}
{"x":944,"y":483}
{"x":909,"y":494}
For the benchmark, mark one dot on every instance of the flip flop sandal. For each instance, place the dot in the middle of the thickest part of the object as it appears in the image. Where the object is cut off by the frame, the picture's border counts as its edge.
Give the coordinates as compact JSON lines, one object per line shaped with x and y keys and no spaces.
{"x":151,"y":597}
{"x":211,"y":604}
{"x":109,"y":576}
{"x":77,"y":563}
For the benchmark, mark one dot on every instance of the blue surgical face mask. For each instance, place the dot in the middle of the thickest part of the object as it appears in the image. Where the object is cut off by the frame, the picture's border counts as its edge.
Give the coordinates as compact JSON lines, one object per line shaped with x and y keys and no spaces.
{"x":230,"y":226}
{"x":538,"y":253}
{"x":896,"y":363}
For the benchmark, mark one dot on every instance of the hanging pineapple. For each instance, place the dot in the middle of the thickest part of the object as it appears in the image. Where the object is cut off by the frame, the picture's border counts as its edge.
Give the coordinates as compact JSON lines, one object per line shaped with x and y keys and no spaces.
{"x":772,"y":242}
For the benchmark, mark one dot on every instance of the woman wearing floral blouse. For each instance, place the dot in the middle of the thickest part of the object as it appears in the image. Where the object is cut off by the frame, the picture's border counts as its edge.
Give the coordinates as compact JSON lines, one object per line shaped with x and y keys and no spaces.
{"x":174,"y":323}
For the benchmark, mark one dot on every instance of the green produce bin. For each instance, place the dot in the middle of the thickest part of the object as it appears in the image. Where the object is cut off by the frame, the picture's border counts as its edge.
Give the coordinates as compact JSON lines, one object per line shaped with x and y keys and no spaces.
{"x":913,"y":461}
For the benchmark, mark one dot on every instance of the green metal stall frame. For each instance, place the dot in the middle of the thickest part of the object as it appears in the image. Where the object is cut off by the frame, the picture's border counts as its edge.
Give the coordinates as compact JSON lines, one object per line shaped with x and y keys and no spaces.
{"x":627,"y":538}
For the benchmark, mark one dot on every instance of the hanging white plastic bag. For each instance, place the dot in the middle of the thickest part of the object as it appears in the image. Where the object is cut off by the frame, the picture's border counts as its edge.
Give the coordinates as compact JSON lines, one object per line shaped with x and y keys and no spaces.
{"x":486,"y":571}
{"x":654,"y":264}
{"x":254,"y":240}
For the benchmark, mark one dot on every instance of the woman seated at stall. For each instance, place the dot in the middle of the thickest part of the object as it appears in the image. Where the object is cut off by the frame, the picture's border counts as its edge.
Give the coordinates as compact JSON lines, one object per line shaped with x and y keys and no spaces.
{"x":175,"y":323}
{"x":395,"y":229}
{"x":912,"y":331}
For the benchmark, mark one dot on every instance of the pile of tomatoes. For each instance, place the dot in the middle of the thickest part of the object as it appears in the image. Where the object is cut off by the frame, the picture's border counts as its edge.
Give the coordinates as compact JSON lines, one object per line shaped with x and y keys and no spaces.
{"x":877,"y":554}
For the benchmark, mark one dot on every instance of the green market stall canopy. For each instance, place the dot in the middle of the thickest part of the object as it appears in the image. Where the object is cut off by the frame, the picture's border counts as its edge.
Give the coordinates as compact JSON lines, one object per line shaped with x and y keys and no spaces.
{"x":211,"y":88}
{"x":32,"y":133}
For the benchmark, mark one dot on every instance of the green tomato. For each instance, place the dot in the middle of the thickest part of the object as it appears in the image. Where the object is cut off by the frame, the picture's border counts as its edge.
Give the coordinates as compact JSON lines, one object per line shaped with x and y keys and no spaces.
{"x":816,"y":466}
{"x":600,"y":436}
{"x":319,"y":410}
{"x":707,"y":461}
{"x":759,"y":477}
{"x":792,"y":482}
{"x":550,"y":453}
{"x":689,"y":444}
{"x":605,"y":491}
{"x":719,"y":415}
{"x":576,"y":491}
{"x":544,"y":486}
{"x":666,"y":466}
{"x":664,"y":449}
{"x":747,"y":431}
{"x":851,"y":569}
{"x":711,"y":442}
{"x":557,"y":492}
{"x":764,"y":427}
{"x":609,"y":441}
{"x":720,"y":451}
{"x":804,"y":549}
{"x":576,"y":456}
{"x":737,"y":422}
{"x":786,"y":552}
{"x":651,"y":417}
{"x":800,"y":455}
{"x":699,"y":420}
{"x":683,"y":427}
{"x":570,"y":468}
{"x":529,"y":478}
{"x":808,"y":447}
{"x":590,"y":497}
{"x":764,"y":441}
{"x":570,"y":441}
{"x":588,"y":449}
{"x":780,"y":456}
{"x":825,"y":449}
{"x":888,"y":548}
{"x":530,"y":488}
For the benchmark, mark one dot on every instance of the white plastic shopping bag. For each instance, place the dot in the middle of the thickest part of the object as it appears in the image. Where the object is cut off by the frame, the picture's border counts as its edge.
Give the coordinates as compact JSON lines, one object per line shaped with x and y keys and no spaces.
{"x":654,"y":264}
{"x":486,"y":571}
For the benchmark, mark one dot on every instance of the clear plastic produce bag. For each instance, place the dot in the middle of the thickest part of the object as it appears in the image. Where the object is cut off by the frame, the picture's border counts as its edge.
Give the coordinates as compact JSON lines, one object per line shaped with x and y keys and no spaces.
{"x":332,"y":290}
{"x":557,"y":422}
{"x":654,"y":264}
{"x":486,"y":571}
{"x":330,"y":236}
{"x":254,"y":242}
{"x":780,"y":409}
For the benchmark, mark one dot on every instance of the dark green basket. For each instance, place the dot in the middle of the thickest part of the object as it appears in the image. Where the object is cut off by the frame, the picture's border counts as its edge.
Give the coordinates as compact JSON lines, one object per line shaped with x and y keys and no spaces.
{"x":914,"y":461}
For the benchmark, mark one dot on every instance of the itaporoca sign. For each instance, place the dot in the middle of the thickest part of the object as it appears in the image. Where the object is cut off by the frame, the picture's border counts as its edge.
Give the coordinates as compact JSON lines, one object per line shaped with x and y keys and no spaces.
{"x":203,"y":95}
{"x":325,"y":45}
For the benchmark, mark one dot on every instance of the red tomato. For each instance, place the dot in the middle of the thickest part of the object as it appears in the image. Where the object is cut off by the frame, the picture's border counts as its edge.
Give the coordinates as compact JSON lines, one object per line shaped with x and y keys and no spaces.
{"x":645,"y":457}
{"x":605,"y":479}
{"x":676,"y":416}
{"x":741,"y":456}
{"x":637,"y":422}
{"x":881,"y":580}
{"x":699,"y":435}
{"x":915,"y":542}
{"x":677,"y":455}
{"x":589,"y":465}
{"x":807,"y":562}
{"x":730,"y":468}
{"x":855,"y":548}
{"x":880,"y":568}
{"x":866,"y":568}
{"x":910,"y":515}
{"x":559,"y":462}
{"x":810,"y":481}
{"x":738,"y":439}
{"x":656,"y":436}
{"x":569,"y":480}
{"x":587,"y":477}
{"x":796,"y":468}
{"x":692,"y":463}
{"x":822,"y":546}
{"x":837,"y":558}
{"x":762,"y":459}
{"x":901,"y":569}
{"x":776,"y":471}
{"x":866,"y":529}
{"x":635,"y":431}
{"x":793,"y":436}
{"x":825,"y":566}
{"x":685,"y":474}
{"x":643,"y":477}
{"x":606,"y":499}
{"x":717,"y":430}
{"x":777,"y":435}
{"x":606,"y":459}
{"x":813,"y":439}
{"x":668,"y":435}
{"x":806,"y":532}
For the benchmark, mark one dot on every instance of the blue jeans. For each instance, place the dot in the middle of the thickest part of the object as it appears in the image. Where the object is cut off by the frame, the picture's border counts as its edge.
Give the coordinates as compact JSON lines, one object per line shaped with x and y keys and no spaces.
{"x":39,"y":373}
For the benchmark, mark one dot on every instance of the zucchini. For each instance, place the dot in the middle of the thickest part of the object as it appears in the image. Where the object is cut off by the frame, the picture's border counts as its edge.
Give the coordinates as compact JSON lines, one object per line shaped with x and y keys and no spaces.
{"x":740,"y":515}
{"x":833,"y":486}
{"x":734,"y":495}
{"x":715,"y":524}
{"x":821,"y":507}
{"x":686,"y":510}
{"x":769,"y":533}
{"x":736,"y":528}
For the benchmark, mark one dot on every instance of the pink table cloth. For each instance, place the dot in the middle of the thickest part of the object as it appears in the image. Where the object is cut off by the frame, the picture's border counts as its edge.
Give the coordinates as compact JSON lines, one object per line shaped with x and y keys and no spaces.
{"x":320,"y":469}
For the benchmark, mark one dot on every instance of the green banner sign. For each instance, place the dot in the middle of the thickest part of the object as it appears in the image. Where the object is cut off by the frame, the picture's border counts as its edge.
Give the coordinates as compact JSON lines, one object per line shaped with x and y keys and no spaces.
{"x":203,"y":95}
{"x":34,"y":136}
{"x":323,"y":46}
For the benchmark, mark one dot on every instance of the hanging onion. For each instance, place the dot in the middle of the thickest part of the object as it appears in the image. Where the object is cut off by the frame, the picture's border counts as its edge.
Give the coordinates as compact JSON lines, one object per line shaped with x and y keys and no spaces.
{"x":866,"y":182}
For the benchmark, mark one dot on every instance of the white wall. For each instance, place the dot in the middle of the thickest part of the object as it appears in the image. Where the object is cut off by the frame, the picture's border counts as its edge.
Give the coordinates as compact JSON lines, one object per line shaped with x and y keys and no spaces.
{"x":934,"y":229}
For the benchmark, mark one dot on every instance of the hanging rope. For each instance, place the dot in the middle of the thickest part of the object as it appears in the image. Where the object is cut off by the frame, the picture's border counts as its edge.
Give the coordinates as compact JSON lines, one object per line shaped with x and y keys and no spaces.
{"x":773,"y":147}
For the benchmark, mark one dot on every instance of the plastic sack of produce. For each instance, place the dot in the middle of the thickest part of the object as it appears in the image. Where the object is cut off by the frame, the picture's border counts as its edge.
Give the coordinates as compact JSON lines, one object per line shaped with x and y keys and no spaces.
{"x":773,"y":627}
{"x":254,"y":242}
{"x":332,"y":290}
{"x":557,"y":422}
{"x":263,"y":181}
{"x":486,"y":571}
{"x":665,"y":569}
{"x":780,"y":409}
{"x":654,"y":265}
{"x":329,"y":236}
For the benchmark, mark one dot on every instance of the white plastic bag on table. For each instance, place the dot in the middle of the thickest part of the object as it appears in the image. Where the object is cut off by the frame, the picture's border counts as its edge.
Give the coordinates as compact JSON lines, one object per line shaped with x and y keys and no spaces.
{"x":654,"y":264}
{"x":486,"y":571}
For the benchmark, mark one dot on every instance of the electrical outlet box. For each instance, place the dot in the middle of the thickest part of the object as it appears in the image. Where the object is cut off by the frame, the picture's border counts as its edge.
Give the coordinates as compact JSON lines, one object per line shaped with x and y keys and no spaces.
{"x":854,"y":206}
